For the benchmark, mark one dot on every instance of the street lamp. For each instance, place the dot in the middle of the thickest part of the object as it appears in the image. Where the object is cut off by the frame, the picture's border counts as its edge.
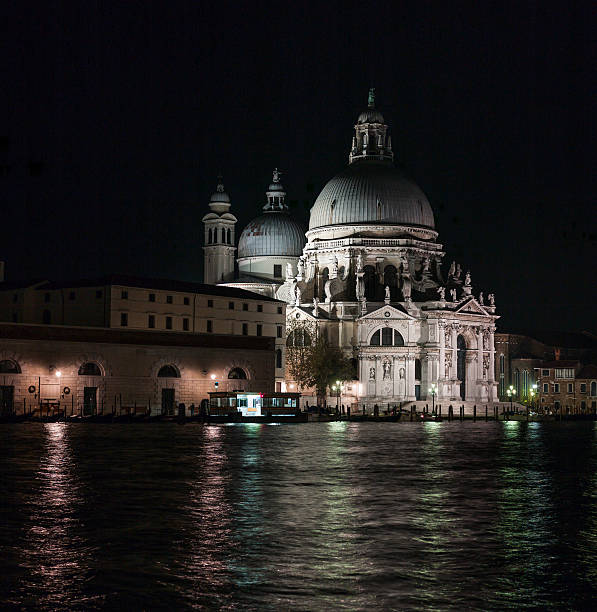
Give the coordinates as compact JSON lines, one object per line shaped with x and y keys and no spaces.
{"x":511,"y":393}
{"x":338,"y":389}
{"x":433,"y":391}
{"x":532,"y":393}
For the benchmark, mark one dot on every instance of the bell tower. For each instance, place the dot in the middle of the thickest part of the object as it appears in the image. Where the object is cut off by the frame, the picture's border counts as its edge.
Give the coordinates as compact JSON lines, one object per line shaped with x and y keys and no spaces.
{"x":218,"y":251}
{"x":371,"y":139}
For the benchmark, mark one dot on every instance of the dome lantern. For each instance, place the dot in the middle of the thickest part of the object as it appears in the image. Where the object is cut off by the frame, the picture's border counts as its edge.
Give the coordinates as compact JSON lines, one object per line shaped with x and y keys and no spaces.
{"x":371,"y":139}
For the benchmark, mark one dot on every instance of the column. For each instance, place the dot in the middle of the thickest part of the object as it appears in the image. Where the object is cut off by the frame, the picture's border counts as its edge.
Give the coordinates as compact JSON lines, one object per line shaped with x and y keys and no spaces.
{"x":410,"y":377}
{"x":479,"y":331}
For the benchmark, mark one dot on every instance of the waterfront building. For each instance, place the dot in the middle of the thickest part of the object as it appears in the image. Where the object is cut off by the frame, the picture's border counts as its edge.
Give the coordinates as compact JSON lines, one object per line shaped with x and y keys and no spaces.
{"x":90,"y":370}
{"x":372,"y":278}
{"x":154,"y":305}
{"x":567,"y":387}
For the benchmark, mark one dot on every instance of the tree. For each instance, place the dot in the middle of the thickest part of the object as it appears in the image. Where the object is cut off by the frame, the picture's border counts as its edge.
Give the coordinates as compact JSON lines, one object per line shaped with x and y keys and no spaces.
{"x":312,"y":361}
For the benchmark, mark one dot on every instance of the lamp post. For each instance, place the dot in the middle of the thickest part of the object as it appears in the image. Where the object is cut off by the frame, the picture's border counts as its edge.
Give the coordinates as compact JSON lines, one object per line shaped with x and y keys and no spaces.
{"x":511,"y":392}
{"x":433,"y":391}
{"x":532,"y":393}
{"x":338,"y":389}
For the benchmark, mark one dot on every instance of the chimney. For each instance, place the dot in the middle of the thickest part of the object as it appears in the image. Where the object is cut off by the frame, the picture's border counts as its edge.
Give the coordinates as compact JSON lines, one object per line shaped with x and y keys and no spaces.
{"x":557,"y":352}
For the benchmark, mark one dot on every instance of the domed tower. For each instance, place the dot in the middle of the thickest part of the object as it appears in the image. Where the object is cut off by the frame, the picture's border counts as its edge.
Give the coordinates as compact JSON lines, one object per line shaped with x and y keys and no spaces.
{"x":218,"y":251}
{"x":273,"y":241}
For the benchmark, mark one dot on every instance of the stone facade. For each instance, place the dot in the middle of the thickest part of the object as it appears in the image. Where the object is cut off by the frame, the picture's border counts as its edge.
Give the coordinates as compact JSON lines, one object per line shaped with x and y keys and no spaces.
{"x":128,"y":367}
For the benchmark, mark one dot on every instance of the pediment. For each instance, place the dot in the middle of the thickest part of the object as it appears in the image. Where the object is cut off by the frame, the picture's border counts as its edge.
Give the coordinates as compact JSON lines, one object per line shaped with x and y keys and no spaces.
{"x":472,"y":306}
{"x":387,"y":313}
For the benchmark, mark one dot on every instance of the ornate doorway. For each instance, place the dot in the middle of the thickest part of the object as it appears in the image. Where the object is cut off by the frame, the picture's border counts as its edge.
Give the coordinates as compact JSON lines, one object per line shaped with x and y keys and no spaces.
{"x":461,"y":366}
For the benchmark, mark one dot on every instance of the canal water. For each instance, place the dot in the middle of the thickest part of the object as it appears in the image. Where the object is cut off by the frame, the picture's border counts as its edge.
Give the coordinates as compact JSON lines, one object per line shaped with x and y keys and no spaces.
{"x":334,"y":516}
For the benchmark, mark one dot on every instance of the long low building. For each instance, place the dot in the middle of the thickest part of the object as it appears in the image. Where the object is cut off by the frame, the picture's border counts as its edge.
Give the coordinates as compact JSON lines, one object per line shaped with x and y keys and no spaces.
{"x":89,"y":370}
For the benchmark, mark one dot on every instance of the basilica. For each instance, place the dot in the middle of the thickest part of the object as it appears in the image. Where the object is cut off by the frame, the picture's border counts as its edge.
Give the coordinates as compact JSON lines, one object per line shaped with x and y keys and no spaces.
{"x":370,"y":274}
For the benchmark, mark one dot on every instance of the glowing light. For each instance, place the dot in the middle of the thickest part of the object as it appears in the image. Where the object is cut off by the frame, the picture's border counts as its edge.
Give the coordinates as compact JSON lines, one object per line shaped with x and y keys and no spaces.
{"x":58,"y":373}
{"x":213,"y":376}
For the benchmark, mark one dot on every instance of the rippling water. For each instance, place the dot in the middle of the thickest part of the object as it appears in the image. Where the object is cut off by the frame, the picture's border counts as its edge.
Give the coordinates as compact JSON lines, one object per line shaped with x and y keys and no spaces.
{"x":348,"y":516}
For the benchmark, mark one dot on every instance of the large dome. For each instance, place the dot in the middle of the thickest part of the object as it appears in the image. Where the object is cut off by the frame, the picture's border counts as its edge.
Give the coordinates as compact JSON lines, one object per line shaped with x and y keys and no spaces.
{"x":371,"y":192}
{"x":273,"y":233}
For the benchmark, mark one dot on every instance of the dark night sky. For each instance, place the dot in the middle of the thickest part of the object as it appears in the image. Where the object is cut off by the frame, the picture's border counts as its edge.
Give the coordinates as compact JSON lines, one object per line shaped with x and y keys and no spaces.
{"x":120,"y":115}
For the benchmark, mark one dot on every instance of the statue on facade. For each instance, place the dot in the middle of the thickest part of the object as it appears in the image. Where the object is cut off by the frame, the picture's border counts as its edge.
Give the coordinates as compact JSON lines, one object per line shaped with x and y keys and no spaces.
{"x":360,"y":262}
{"x":298,"y":296}
{"x":442,"y":293}
{"x":388,"y":296}
{"x":406,"y":288}
{"x":371,"y":373}
{"x":334,"y":267}
{"x":276,"y":175}
{"x":458,"y":272}
{"x":289,"y":273}
{"x":301,"y":267}
{"x":491,"y":299}
{"x":401,"y":373}
{"x":467,"y":279}
{"x":426,"y":264}
{"x":315,"y":306}
{"x":452,"y":270}
{"x":360,"y":288}
{"x":485,"y":365}
{"x":453,"y":294}
{"x":448,"y":364}
{"x":481,"y":298}
{"x":387,"y":369}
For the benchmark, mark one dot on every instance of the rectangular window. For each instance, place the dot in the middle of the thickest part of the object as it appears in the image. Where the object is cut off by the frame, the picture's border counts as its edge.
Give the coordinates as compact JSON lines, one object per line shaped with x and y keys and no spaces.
{"x":209,"y":326}
{"x":230,"y":305}
{"x":124,"y":319}
{"x":545,"y":387}
{"x":259,"y":329}
{"x":124,"y":295}
{"x":185,"y":324}
{"x":564,"y":373}
{"x":556,"y":388}
{"x":259,"y":307}
{"x":186,"y":301}
{"x":279,"y":331}
{"x":98,"y":295}
{"x":245,"y":329}
{"x":279,"y":309}
{"x":15,"y":317}
{"x":168,"y":322}
{"x":152,"y":297}
{"x":210,"y":303}
{"x":544,"y":372}
{"x":583,"y":387}
{"x":15,"y":298}
{"x":71,"y":295}
{"x":277,"y":270}
{"x":169,"y":299}
{"x":151,"y":321}
{"x":245,"y":306}
{"x":569,"y":387}
{"x":47,"y":297}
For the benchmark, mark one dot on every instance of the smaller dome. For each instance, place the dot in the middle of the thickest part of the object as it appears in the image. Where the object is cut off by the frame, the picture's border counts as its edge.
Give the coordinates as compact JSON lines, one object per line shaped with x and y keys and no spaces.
{"x":220,"y":195}
{"x":275,"y":187}
{"x":371,"y":115}
{"x":272,"y":233}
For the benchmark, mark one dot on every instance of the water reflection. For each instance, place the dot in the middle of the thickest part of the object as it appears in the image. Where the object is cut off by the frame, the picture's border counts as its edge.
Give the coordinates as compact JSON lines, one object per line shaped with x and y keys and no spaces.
{"x":56,"y":554}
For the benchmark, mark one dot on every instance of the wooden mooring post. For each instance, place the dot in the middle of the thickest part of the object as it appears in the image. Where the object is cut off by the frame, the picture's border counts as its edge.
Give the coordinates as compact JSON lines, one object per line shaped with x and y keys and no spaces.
{"x":474,"y":413}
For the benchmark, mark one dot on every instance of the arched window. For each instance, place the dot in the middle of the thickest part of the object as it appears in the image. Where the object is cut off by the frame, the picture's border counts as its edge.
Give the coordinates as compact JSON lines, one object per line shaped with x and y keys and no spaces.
{"x":593,"y":389}
{"x":229,"y":240}
{"x":237,"y":373}
{"x":90,"y":369}
{"x":8,"y":366}
{"x":502,"y":380}
{"x":417,"y":369}
{"x":461,"y":365}
{"x":168,"y":371}
{"x":278,"y":358}
{"x":517,"y":381}
{"x":47,"y":317}
{"x":209,"y":236}
{"x":298,"y":337}
{"x":370,"y":282}
{"x":386,"y":337}
{"x":525,"y":383}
